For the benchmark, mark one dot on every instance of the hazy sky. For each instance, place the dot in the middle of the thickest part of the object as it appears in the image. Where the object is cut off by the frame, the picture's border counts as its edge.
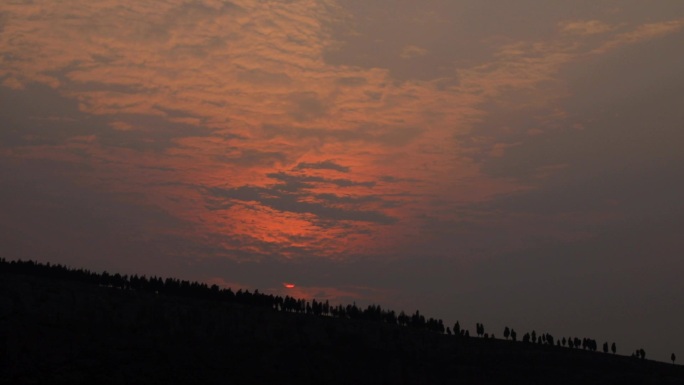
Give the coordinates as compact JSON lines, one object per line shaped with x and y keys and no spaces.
{"x":513,"y":163}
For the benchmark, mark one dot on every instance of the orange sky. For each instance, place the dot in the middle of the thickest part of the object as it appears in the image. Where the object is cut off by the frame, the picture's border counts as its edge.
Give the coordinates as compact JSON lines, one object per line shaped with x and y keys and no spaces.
{"x":339,"y":132}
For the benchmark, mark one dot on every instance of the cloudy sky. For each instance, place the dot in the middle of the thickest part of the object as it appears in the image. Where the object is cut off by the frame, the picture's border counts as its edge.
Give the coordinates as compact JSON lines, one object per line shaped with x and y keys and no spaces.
{"x":513,"y":164}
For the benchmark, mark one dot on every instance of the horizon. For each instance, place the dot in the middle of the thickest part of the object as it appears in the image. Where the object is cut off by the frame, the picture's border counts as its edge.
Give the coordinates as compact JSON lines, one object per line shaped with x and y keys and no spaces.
{"x":495,"y":163}
{"x":174,"y":287}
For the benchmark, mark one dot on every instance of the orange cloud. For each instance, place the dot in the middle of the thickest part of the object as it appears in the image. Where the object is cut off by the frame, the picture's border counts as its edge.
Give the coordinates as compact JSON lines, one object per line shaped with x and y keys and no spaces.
{"x":227,"y":116}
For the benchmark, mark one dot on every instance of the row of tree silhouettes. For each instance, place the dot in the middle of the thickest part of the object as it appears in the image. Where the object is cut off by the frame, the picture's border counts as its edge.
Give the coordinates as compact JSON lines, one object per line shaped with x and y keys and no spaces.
{"x":177,"y":287}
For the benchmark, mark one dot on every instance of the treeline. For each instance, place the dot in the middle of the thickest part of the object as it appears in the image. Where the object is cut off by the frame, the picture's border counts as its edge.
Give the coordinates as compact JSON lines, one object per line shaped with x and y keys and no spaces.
{"x":198,"y":290}
{"x":375,"y":313}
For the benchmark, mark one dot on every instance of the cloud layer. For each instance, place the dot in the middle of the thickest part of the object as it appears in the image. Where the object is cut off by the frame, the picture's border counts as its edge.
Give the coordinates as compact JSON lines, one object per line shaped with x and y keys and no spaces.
{"x":249,"y":107}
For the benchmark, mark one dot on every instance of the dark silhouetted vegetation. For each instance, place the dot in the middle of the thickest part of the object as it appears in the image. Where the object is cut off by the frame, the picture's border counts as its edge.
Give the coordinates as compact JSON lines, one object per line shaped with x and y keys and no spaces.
{"x":71,"y":326}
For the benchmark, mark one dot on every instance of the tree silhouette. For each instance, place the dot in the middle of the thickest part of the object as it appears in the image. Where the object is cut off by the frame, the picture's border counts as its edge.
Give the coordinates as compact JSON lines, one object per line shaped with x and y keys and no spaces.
{"x":526,"y":338}
{"x":673,"y":358}
{"x":479,"y":329}
{"x":418,"y":320}
{"x":374,"y":313}
{"x":549,"y":339}
{"x":403,"y":319}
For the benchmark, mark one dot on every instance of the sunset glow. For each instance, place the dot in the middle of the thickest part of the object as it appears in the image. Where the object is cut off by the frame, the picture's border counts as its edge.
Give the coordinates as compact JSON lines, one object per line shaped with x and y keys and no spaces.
{"x":427,"y":153}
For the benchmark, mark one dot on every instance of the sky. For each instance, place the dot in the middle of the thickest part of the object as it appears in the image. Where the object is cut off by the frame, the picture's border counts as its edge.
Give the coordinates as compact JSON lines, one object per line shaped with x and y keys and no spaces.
{"x":512,"y":163}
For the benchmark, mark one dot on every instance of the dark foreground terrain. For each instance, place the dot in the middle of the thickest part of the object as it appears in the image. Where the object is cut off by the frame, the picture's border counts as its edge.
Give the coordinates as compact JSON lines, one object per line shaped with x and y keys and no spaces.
{"x":63,"y":332}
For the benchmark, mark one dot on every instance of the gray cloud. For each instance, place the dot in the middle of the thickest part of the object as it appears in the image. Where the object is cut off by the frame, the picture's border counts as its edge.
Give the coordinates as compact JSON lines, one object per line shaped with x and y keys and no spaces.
{"x":336,"y":199}
{"x":620,"y":142}
{"x":307,"y":180}
{"x":40,"y":115}
{"x":149,"y":133}
{"x":383,"y":135}
{"x":305,"y":106}
{"x":262,"y":77}
{"x":352,"y":81}
{"x":285,"y":202}
{"x":289,"y":197}
{"x":394,"y":179}
{"x":252,"y":157}
{"x":324,"y":165}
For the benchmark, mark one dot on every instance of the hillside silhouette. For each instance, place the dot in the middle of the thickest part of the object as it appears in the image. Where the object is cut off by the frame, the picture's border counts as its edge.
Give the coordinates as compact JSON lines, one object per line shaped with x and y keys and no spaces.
{"x":72,"y":326}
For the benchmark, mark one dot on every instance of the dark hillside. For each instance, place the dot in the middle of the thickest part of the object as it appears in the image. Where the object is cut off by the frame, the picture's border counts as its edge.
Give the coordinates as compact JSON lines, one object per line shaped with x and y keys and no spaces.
{"x":62,"y":331}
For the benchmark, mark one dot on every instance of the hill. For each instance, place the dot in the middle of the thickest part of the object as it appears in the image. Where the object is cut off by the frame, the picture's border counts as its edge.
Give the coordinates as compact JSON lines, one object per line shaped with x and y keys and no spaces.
{"x":62,"y":329}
